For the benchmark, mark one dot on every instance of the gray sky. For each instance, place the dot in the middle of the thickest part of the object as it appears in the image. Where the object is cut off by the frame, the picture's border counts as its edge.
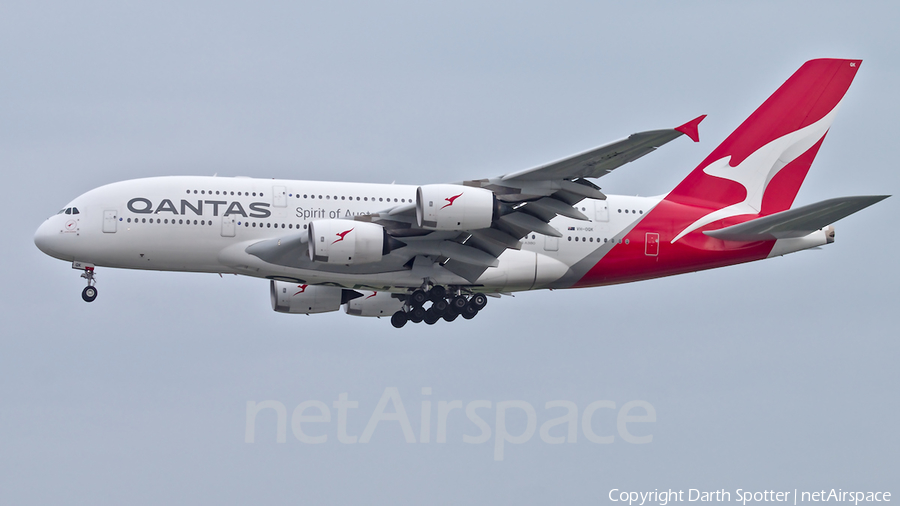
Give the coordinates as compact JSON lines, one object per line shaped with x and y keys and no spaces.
{"x":774,"y":375}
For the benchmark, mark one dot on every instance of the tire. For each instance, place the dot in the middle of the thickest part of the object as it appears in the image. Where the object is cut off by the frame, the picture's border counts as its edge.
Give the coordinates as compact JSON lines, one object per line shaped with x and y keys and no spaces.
{"x":418,"y":298}
{"x":439,"y":307}
{"x":458,"y":303}
{"x":399,"y":319}
{"x":437,"y":293}
{"x":480,"y":300}
{"x":417,"y":314}
{"x":469,"y":312}
{"x":449,"y":317}
{"x":89,"y":294}
{"x":431,"y":317}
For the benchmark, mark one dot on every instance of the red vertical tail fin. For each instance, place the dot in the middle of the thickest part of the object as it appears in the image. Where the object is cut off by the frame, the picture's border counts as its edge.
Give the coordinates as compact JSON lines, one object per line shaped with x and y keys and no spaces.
{"x":759,"y":168}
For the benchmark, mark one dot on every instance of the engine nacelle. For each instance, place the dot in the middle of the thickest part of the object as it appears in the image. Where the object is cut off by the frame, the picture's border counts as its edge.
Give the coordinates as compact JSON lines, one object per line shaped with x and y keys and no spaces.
{"x":454,"y":207}
{"x":347,"y":242}
{"x":375,"y":304}
{"x":305,"y":299}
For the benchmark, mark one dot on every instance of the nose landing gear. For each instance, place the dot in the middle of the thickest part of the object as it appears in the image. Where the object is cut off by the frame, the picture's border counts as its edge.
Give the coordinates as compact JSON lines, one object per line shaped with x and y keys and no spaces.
{"x":90,"y":291}
{"x":446,"y":305}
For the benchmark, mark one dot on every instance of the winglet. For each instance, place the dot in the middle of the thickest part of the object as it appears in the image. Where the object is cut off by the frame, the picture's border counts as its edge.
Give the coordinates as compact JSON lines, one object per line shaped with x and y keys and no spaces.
{"x":690,"y":128}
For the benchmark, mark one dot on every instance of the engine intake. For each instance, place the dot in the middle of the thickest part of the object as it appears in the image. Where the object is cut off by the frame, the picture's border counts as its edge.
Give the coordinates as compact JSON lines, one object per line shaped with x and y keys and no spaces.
{"x":347,"y":242}
{"x":454,"y":207}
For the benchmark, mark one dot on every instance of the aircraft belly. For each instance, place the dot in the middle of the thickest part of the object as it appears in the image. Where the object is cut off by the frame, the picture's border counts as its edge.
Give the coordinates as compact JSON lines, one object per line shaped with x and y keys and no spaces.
{"x":238,"y":260}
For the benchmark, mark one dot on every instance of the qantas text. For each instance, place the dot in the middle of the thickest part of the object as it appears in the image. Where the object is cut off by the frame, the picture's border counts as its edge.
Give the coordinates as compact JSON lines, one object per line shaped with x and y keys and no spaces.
{"x":141,"y":205}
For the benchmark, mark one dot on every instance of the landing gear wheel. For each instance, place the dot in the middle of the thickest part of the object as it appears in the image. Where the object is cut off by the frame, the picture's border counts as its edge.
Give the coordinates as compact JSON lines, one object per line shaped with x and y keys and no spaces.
{"x":439,"y":307}
{"x":437,"y":293}
{"x":89,"y":294}
{"x":479,"y":300}
{"x":399,"y":319}
{"x":418,"y":298}
{"x":469,"y":312}
{"x":449,"y":317}
{"x":431,"y":317}
{"x":458,"y":303}
{"x":417,"y":314}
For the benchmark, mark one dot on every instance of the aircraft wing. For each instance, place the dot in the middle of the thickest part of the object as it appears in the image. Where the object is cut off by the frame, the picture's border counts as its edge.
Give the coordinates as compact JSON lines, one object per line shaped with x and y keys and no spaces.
{"x":797,"y":222}
{"x":528,"y":200}
{"x":602,"y":160}
{"x":524,"y":203}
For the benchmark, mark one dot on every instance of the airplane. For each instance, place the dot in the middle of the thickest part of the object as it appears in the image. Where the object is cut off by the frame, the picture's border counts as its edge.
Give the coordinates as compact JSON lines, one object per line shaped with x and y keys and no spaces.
{"x":436,"y":251}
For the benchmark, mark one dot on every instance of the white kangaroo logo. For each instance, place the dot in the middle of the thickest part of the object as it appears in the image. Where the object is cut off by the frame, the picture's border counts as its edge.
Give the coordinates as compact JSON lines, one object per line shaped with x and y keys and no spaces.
{"x":755,"y":172}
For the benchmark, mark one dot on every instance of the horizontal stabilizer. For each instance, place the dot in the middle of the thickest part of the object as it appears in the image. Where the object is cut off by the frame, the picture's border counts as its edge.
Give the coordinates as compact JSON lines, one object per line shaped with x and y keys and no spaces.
{"x":797,"y":222}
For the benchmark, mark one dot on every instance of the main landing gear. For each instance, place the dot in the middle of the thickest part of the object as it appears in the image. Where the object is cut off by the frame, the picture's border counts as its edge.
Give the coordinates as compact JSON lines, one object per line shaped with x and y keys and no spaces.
{"x":90,"y":291}
{"x":443,"y":305}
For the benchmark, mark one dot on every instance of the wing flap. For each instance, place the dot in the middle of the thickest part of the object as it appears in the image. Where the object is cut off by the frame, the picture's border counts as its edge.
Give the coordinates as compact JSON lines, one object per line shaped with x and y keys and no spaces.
{"x":558,"y":207}
{"x":529,"y":222}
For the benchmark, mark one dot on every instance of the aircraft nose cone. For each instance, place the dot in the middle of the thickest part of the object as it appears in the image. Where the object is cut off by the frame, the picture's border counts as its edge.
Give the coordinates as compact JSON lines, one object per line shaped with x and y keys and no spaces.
{"x":46,"y":239}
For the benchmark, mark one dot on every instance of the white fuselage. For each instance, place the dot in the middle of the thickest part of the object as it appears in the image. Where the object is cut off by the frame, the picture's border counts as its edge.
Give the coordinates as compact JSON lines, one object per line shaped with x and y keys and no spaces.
{"x":205,"y":224}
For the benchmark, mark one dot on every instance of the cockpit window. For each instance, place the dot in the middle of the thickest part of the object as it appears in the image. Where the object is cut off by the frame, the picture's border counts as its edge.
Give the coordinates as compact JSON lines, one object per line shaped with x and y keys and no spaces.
{"x":68,"y":210}
{"x":61,"y":211}
{"x":74,"y":210}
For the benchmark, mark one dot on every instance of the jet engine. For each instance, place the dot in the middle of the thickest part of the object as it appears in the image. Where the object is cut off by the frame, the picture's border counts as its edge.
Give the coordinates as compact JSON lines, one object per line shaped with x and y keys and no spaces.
{"x":454,"y":207}
{"x":307,"y":299}
{"x":376,"y":304}
{"x":347,"y":242}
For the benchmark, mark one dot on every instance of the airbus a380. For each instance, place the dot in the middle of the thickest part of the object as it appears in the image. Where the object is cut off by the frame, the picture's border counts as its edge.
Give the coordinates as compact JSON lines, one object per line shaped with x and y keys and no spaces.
{"x":431,"y":252}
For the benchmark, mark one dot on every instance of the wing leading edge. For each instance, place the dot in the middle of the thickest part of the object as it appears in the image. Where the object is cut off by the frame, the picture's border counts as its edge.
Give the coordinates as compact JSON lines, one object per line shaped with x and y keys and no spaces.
{"x":602,"y":160}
